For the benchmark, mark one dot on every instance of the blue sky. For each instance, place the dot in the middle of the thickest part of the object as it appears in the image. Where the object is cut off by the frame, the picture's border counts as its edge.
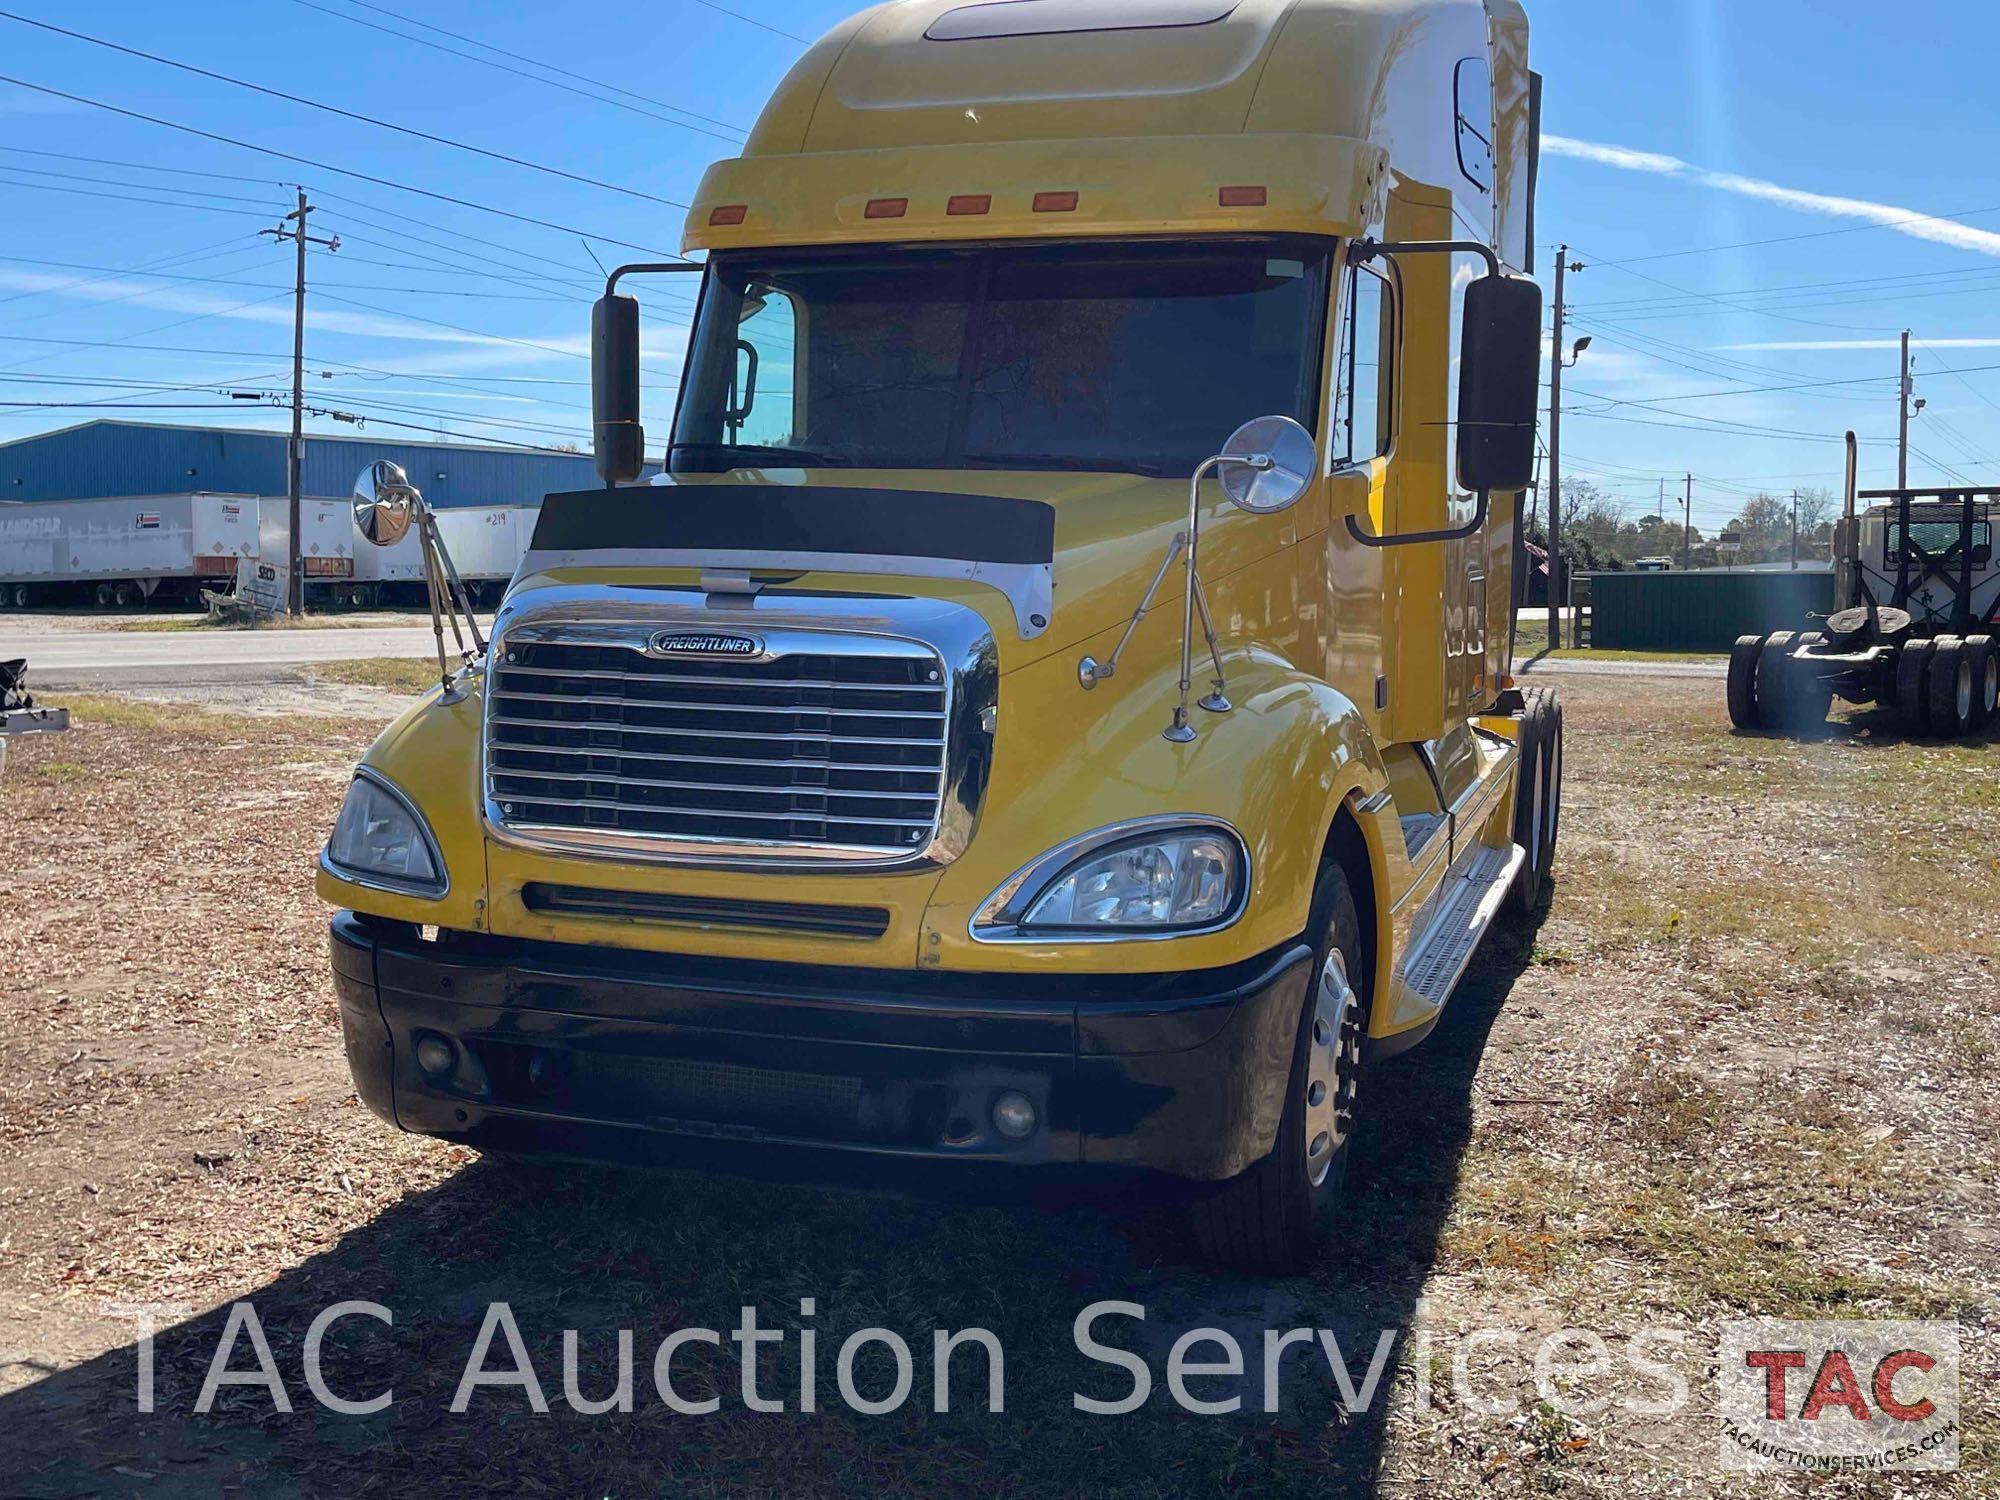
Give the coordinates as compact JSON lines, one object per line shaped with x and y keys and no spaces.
{"x":1684,"y":126}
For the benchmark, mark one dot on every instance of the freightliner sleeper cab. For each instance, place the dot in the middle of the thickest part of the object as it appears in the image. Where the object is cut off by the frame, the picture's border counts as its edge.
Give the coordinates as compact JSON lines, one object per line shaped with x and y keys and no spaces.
{"x":1053,"y":714}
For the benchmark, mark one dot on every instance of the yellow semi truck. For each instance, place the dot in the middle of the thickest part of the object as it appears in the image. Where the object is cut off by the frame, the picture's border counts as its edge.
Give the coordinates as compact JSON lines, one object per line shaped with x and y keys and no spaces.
{"x":1053,"y":714}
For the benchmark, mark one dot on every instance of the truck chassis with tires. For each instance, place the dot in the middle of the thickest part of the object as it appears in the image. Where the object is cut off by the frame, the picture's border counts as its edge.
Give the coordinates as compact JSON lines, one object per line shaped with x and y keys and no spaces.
{"x":1914,"y":627}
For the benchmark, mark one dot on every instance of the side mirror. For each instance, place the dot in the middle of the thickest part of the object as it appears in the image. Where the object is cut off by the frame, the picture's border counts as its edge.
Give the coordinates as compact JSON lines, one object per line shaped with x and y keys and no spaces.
{"x":385,"y":502}
{"x":620,"y":442}
{"x":1500,"y":353}
{"x":1267,"y":465}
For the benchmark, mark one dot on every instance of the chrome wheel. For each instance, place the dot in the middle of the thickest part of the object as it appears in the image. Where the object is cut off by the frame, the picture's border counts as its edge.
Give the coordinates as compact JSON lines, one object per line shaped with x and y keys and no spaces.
{"x":1989,"y":692}
{"x":1964,"y":690}
{"x":1333,"y":1068}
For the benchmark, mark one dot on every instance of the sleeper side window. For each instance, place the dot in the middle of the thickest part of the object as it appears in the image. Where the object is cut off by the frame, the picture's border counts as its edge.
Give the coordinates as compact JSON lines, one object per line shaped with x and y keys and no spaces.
{"x":1364,"y":400}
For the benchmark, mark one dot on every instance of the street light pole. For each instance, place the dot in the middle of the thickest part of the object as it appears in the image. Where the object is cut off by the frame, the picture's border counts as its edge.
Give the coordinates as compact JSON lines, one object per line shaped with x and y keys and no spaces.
{"x":1556,"y":368}
{"x":1903,"y":384}
{"x":1687,"y":527}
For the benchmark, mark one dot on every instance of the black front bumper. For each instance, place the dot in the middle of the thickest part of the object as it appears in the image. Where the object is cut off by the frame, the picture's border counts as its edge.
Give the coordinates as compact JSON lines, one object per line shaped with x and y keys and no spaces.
{"x":808,"y":1072}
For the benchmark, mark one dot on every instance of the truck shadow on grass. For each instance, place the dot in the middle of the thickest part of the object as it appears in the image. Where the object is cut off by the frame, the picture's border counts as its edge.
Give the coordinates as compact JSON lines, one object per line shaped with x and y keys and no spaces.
{"x":1876,"y":726}
{"x":600,"y":1250}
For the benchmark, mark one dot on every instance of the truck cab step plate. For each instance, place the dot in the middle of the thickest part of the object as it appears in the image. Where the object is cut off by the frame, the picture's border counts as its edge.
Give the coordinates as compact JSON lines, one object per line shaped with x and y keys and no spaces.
{"x":1438,"y":956}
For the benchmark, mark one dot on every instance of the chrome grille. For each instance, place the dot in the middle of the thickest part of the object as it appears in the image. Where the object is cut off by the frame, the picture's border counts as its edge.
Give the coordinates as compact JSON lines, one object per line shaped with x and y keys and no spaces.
{"x":835,"y":745}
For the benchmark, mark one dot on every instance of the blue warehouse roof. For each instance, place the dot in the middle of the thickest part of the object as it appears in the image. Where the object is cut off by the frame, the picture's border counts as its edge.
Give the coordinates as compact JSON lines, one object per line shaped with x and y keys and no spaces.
{"x":111,"y":457}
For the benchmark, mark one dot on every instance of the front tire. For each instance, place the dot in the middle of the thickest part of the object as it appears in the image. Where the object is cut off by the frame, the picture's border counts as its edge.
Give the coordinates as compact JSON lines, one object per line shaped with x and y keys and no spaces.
{"x":1273,"y":1219}
{"x":1533,"y":741}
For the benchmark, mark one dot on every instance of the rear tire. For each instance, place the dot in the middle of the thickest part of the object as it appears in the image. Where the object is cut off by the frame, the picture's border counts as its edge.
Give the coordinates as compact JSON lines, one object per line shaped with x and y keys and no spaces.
{"x":1743,"y":683}
{"x":1985,"y":654}
{"x":1951,"y":687}
{"x":1275,"y":1218}
{"x":1774,"y":681}
{"x":1913,"y":699}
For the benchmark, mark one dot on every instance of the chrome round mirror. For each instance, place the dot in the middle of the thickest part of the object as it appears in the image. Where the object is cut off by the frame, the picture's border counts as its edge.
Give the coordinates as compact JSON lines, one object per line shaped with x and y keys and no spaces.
{"x":1267,"y":465}
{"x":384,"y":503}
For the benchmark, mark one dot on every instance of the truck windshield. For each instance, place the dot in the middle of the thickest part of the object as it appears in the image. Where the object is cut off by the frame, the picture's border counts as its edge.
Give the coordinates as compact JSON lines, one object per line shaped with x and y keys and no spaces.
{"x":1136,"y":357}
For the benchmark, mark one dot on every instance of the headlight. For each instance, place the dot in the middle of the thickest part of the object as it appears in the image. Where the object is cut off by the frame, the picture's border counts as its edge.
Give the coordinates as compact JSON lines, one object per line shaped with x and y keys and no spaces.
{"x":1155,"y":877}
{"x":379,"y":839}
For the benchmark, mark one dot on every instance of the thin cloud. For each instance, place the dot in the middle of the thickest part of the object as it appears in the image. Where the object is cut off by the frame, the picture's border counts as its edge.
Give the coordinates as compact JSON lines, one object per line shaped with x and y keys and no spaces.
{"x":322,"y":319}
{"x":1887,"y":215}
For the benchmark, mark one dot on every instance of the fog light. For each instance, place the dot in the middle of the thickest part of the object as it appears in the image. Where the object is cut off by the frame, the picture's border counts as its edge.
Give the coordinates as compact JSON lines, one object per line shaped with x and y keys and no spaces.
{"x":435,"y":1055}
{"x":1014,"y":1116}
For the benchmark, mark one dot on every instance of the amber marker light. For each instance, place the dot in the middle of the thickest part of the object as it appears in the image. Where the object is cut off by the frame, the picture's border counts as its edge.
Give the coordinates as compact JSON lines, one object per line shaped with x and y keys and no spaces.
{"x":1055,"y":203}
{"x":960,"y":204}
{"x":1241,"y":197}
{"x":886,"y":208}
{"x":729,"y":213}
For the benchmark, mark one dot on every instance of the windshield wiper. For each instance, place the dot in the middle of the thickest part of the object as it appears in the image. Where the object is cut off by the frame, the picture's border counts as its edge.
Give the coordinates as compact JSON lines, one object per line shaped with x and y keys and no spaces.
{"x":802,"y":458}
{"x":1067,"y":461}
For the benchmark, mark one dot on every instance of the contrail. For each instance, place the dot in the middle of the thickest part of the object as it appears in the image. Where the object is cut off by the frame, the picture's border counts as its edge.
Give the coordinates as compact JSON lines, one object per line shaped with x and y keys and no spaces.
{"x":1887,"y":215}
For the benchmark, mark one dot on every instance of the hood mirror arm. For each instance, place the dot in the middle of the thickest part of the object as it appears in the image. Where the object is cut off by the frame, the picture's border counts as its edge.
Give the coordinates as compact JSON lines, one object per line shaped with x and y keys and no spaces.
{"x":386,"y":505}
{"x":1267,"y":466}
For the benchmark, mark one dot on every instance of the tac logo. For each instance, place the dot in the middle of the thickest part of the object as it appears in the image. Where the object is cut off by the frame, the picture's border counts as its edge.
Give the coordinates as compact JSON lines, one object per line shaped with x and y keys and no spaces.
{"x":677,"y":643}
{"x":1839,"y":1397}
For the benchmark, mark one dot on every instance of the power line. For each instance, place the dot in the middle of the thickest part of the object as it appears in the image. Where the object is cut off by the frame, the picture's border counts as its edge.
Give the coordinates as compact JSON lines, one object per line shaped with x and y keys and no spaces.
{"x":210,"y":208}
{"x":137,"y":294}
{"x":547,"y":67}
{"x":220,"y":312}
{"x":144,"y":187}
{"x":753,"y":21}
{"x":583,"y":276}
{"x":1787,"y":239}
{"x":1637,"y":305}
{"x":105,"y":161}
{"x":210,"y":135}
{"x":485,"y":62}
{"x":359,"y":286}
{"x":1695,"y":422}
{"x":1759,"y":390}
{"x":346,"y":114}
{"x":184,"y":257}
{"x":1720,"y":301}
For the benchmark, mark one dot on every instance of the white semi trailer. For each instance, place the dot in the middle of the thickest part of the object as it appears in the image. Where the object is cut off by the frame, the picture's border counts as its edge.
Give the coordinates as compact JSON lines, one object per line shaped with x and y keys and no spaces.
{"x":121,"y":552}
{"x":486,"y":543}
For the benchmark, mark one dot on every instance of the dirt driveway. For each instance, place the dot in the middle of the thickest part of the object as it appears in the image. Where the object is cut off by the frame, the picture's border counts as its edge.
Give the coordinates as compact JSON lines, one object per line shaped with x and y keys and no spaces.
{"x":1745,"y":1064}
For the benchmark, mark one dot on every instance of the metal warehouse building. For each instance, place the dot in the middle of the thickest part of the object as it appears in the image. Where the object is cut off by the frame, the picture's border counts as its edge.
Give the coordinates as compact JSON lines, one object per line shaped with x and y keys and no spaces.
{"x":107,"y":458}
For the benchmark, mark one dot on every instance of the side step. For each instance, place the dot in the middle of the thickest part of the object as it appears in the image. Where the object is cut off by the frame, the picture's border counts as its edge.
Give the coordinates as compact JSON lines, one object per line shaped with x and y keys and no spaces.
{"x":1438,"y":956}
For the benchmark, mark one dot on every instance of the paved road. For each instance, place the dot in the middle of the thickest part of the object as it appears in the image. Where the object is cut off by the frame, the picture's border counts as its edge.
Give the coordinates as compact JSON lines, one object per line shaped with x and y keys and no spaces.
{"x":72,"y":659}
{"x":191,"y":658}
{"x":1559,"y":666}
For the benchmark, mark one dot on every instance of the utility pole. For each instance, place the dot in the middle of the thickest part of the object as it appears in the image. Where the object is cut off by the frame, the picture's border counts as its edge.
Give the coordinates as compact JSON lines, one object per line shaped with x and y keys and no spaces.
{"x":1903,"y":384}
{"x":1687,"y":527}
{"x":1795,"y":531}
{"x":1556,"y":368}
{"x":295,"y":585}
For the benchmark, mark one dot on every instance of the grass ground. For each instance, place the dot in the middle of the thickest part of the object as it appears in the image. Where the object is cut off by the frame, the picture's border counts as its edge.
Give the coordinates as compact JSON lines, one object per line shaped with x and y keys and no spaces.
{"x":1743,"y":1063}
{"x":415,"y":675}
{"x":1532,"y":640}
